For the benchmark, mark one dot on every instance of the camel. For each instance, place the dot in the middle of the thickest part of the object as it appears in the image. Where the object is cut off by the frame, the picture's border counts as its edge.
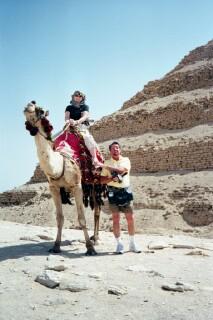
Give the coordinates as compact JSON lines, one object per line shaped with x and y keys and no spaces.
{"x":61,"y":172}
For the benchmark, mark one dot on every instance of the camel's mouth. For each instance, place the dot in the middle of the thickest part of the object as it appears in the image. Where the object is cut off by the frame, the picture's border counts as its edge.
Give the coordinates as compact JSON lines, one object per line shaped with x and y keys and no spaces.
{"x":30,"y":108}
{"x":33,"y":113}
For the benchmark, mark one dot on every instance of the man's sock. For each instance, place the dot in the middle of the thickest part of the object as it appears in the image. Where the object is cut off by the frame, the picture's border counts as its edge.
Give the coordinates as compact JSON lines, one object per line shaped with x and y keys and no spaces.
{"x":131,"y":239}
{"x":118,"y":240}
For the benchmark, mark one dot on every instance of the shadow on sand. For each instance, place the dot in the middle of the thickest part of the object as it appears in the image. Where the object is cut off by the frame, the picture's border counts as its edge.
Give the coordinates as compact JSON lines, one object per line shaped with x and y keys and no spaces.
{"x":42,"y":249}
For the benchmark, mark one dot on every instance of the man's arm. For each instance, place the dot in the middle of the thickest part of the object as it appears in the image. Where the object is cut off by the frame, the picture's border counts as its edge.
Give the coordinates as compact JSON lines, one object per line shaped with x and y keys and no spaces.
{"x":105,"y":180}
{"x":106,"y":176}
{"x":120,"y":170}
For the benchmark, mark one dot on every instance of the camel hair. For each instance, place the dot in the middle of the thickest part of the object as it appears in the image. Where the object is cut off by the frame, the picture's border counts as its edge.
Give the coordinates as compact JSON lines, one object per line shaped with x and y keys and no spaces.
{"x":60,"y":172}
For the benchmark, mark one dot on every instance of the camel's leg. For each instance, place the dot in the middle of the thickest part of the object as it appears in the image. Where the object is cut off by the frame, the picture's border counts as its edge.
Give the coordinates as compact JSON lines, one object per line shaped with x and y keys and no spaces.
{"x":97,"y":211}
{"x":81,"y":218}
{"x":59,"y":217}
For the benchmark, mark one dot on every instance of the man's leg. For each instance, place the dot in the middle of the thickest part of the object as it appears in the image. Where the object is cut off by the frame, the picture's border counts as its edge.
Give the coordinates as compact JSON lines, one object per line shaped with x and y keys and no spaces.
{"x":131,"y":230}
{"x":116,"y":224}
{"x":130,"y":223}
{"x":117,"y":232}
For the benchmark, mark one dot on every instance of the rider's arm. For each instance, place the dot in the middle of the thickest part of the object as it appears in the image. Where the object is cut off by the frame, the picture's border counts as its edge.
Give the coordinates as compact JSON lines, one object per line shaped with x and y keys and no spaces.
{"x":84,"y":116}
{"x":67,"y":116}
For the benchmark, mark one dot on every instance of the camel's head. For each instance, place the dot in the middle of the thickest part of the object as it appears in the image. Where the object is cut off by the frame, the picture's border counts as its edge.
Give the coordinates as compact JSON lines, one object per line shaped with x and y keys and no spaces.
{"x":36,"y":120}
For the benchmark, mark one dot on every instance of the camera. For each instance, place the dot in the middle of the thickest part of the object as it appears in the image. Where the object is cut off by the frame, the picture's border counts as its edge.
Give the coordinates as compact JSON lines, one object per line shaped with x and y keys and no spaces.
{"x":117,"y":175}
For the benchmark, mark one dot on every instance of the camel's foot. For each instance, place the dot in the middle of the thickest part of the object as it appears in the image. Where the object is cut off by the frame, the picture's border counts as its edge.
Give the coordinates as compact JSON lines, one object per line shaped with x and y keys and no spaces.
{"x":56,"y":248}
{"x":90,"y":249}
{"x":91,"y":252}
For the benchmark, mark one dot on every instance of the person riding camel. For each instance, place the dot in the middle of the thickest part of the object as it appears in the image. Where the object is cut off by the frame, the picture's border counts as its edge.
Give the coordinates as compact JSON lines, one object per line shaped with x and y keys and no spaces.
{"x":77,"y":114}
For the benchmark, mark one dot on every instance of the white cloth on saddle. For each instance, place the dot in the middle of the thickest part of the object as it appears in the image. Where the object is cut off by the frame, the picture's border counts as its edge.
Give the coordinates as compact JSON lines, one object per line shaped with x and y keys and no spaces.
{"x":88,"y":138}
{"x":64,"y":148}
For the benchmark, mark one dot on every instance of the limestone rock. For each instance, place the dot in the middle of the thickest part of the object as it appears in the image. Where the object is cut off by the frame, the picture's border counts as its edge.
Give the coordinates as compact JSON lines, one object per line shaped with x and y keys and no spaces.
{"x":73,"y":285}
{"x":157,"y":245}
{"x":56,"y":267}
{"x":118,"y":291}
{"x":49,"y":278}
{"x":178,"y":286}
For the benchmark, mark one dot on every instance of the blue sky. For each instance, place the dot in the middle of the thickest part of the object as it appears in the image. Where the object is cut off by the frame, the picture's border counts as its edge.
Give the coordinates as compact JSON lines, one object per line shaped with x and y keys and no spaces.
{"x":109,"y":49}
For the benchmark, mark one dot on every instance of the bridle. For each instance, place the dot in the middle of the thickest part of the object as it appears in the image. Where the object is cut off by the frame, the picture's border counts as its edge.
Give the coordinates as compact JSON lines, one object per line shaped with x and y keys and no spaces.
{"x":33,"y":129}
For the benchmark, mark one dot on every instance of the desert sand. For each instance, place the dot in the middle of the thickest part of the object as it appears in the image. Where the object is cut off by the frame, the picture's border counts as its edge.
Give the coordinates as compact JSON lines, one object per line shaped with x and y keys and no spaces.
{"x":106,"y":286}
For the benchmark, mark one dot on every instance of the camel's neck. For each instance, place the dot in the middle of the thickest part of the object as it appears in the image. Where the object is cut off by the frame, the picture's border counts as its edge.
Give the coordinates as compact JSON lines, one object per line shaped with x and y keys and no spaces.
{"x":51,"y":162}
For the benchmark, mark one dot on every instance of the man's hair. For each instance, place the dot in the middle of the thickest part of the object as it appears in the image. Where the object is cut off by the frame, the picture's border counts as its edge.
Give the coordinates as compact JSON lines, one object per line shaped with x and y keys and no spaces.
{"x":114,"y":142}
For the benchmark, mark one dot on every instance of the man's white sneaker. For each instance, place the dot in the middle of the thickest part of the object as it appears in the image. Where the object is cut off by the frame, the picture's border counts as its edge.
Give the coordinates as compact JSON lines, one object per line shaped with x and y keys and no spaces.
{"x":120,"y":248}
{"x":134,"y":248}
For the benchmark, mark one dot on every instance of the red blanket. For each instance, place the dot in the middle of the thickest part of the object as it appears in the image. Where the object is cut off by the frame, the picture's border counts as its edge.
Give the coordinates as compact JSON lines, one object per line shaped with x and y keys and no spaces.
{"x":72,"y":144}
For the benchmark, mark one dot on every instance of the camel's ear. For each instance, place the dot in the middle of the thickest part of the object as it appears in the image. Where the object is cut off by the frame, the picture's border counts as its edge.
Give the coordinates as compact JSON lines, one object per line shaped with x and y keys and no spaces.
{"x":47,"y":113}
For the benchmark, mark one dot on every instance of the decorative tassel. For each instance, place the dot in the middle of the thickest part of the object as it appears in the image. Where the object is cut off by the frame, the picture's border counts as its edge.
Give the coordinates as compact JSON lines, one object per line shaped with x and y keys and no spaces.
{"x":33,"y":130}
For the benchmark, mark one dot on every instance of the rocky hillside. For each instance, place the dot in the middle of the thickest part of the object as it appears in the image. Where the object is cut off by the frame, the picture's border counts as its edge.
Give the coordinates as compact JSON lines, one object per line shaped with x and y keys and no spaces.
{"x":166,"y":130}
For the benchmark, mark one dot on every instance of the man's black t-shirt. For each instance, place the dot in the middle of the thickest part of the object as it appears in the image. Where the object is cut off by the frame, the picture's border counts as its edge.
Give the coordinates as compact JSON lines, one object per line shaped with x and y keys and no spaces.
{"x":76,"y":112}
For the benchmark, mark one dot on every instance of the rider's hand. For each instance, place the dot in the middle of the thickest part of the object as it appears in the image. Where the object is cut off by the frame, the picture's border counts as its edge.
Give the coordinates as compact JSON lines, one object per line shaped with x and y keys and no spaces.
{"x":67,"y":125}
{"x":72,"y":122}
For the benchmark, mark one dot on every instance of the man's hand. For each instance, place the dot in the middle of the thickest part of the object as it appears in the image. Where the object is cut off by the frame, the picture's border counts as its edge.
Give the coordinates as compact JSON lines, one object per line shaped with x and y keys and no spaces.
{"x":116,"y":179}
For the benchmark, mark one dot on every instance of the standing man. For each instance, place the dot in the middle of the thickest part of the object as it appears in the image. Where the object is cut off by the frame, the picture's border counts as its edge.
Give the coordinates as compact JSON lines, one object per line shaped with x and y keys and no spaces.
{"x":115,"y":174}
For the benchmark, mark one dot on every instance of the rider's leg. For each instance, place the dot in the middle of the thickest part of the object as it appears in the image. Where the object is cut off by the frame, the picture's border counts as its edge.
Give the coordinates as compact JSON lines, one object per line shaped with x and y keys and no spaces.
{"x":92,"y":147}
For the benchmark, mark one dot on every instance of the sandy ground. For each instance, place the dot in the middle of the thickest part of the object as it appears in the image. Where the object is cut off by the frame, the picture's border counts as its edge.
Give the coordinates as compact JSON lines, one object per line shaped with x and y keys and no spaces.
{"x":140,"y":276}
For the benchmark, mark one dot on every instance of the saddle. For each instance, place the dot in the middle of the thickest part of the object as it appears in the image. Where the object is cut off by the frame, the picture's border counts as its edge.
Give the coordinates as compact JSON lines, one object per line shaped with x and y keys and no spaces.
{"x":71,"y":145}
